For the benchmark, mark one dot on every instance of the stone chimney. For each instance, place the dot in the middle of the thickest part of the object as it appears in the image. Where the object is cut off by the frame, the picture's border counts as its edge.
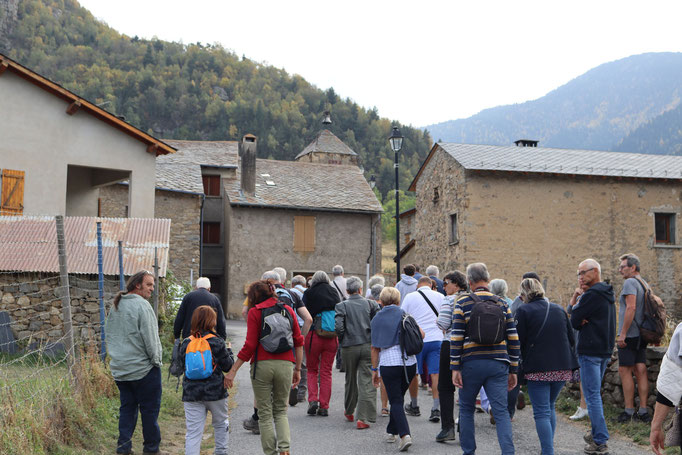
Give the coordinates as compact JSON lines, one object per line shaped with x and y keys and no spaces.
{"x":247,"y":164}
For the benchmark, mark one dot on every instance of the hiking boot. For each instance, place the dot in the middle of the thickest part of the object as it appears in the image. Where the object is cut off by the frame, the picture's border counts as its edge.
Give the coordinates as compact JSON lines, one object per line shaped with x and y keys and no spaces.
{"x":435,"y":415}
{"x":293,"y":396}
{"x":521,"y":402}
{"x":596,"y":449}
{"x":405,"y":443}
{"x":323,"y":412}
{"x":251,"y":424}
{"x":412,"y":411}
{"x":447,"y":434}
{"x":645,"y":418}
{"x":587,"y":437}
{"x":624,"y":417}
{"x":580,"y":414}
{"x":312,"y":408}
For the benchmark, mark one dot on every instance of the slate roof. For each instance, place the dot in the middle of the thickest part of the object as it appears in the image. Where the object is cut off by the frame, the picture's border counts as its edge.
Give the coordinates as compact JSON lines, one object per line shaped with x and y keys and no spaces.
{"x":300,"y":185}
{"x":327,"y":142}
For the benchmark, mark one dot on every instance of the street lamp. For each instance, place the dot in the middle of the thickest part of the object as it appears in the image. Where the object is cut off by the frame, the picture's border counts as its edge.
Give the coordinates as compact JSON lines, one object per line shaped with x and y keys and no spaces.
{"x":396,"y":141}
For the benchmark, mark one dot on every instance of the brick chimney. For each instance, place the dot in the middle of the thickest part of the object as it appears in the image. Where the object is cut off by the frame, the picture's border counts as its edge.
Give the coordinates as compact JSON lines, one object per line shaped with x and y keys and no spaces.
{"x":247,"y":164}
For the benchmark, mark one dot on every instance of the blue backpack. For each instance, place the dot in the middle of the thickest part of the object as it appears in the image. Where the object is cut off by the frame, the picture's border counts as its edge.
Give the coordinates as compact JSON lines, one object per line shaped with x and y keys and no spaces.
{"x":198,"y":358}
{"x":324,"y":324}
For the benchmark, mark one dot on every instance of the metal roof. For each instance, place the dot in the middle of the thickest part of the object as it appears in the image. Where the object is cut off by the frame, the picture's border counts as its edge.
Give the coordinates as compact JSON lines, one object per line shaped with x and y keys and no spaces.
{"x":29,"y":244}
{"x":326,"y":142}
{"x":564,"y":161}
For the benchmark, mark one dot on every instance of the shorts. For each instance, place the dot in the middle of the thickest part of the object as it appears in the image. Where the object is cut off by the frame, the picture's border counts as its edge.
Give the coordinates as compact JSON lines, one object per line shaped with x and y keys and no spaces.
{"x":431,"y":355}
{"x":632,"y":353}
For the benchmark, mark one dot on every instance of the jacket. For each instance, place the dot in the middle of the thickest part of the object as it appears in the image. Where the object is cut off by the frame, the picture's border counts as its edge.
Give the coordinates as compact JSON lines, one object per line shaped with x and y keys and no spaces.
{"x":320,"y":297}
{"x":211,"y":388}
{"x":353,"y":320}
{"x":551,"y":349}
{"x":190,"y":302}
{"x":406,"y":285}
{"x":598,"y":335}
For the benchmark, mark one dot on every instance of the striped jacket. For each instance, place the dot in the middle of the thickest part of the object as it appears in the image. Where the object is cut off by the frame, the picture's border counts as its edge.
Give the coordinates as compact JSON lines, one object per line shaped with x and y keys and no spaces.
{"x":463,"y":349}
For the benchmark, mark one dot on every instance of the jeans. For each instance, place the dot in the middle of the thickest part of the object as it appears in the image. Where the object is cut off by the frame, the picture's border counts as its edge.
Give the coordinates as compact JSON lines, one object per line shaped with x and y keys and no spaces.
{"x":396,"y":385}
{"x":271,"y":386}
{"x":195,"y":418}
{"x":446,"y":389}
{"x":320,"y":353}
{"x":493,"y":375}
{"x":143,"y":394}
{"x":359,"y":391}
{"x":543,"y":395}
{"x":591,"y":373}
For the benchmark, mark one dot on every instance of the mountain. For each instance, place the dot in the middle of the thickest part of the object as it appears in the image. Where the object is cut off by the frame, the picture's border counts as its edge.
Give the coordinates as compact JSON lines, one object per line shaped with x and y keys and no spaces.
{"x":593,"y":111}
{"x":196,"y":91}
{"x":662,"y":135}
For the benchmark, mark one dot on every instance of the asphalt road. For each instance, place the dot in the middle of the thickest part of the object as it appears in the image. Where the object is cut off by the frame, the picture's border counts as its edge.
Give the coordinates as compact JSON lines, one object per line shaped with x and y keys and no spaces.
{"x":333,"y":434}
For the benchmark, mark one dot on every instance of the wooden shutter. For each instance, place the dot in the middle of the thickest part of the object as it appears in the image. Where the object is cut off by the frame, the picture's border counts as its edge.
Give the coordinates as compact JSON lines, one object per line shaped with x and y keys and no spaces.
{"x":304,"y":234}
{"x":12,"y":192}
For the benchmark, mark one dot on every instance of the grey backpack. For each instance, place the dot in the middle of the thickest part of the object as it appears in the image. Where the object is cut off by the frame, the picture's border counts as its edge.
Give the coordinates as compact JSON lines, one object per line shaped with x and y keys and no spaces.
{"x":276,"y":334}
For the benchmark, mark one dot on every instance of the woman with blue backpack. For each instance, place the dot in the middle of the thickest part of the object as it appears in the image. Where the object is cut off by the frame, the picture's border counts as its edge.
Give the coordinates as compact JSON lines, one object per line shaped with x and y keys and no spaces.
{"x":204,"y":356}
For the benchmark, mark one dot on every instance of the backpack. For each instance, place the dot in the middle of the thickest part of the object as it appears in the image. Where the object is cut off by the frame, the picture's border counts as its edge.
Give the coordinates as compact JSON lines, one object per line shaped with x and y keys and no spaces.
{"x":410,"y":337}
{"x":277,"y":333}
{"x":324,"y":324}
{"x":487,"y":320}
{"x":175,"y":367}
{"x":652,"y":328}
{"x":198,"y":358}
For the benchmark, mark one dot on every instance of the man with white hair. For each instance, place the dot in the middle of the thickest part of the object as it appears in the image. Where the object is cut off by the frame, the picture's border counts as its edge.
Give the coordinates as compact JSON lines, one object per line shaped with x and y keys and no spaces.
{"x":595,"y":317}
{"x":433,"y":272}
{"x":339,"y":282}
{"x":193,"y":300}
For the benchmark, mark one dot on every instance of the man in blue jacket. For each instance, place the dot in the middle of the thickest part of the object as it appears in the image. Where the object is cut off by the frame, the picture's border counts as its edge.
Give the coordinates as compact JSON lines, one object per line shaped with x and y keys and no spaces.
{"x":595,"y":317}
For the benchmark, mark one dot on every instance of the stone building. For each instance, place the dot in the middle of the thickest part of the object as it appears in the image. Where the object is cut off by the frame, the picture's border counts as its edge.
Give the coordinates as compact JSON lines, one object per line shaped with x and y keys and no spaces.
{"x":531,"y":208}
{"x":326,"y":148}
{"x":408,"y":252}
{"x":59,"y":149}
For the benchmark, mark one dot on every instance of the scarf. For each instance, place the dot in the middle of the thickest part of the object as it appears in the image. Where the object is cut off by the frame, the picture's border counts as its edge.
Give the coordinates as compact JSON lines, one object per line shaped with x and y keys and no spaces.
{"x":386,"y":327}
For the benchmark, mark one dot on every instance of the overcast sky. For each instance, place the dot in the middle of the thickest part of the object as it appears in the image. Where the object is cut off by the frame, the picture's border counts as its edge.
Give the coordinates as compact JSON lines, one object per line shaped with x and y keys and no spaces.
{"x":419,"y":62}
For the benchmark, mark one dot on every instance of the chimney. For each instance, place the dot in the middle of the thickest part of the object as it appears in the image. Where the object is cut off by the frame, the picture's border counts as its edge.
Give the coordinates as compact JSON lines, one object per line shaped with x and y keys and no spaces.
{"x":526,"y":143}
{"x":247,"y":164}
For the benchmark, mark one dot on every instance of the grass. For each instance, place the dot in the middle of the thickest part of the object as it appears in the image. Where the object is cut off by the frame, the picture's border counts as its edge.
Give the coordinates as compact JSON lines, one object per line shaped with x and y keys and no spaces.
{"x":387,"y":255}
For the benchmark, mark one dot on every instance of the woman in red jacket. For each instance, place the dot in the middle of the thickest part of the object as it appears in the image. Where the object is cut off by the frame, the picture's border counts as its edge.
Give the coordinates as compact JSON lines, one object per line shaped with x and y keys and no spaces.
{"x":272,"y":375}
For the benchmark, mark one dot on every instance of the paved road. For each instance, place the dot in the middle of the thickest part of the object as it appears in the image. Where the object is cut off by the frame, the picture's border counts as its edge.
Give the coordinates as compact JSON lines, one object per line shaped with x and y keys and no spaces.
{"x":317,"y":435}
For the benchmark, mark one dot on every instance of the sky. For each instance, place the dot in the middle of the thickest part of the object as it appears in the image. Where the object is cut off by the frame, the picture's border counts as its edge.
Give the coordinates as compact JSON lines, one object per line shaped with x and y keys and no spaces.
{"x":418,"y":62}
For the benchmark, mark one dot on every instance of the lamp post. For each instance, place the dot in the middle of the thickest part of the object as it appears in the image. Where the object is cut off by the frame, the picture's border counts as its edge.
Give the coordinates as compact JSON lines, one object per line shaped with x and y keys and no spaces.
{"x":396,"y":141}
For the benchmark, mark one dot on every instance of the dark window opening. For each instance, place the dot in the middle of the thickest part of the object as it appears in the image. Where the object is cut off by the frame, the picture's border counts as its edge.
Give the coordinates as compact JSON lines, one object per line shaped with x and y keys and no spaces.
{"x":211,"y":185}
{"x":436,"y":196}
{"x":211,"y":233}
{"x":665,"y":228}
{"x":454,"y":238}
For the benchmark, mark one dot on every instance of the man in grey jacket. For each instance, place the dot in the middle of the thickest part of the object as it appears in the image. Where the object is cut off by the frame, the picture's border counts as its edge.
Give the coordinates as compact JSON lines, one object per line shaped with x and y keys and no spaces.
{"x":353,"y":318}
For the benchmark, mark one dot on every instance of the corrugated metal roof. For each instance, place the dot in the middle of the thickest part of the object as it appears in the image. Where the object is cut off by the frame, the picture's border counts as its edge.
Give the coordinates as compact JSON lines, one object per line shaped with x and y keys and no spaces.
{"x":29,"y":244}
{"x":564,"y":161}
{"x":326,"y":142}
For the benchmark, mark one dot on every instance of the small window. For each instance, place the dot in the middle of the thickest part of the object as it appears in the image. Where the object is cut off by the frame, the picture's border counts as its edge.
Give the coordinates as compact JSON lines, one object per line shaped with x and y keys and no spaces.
{"x":436,"y":196}
{"x":211,"y":185}
{"x":454,"y":237}
{"x":304,"y":234}
{"x":211,"y":233}
{"x":665,"y":228}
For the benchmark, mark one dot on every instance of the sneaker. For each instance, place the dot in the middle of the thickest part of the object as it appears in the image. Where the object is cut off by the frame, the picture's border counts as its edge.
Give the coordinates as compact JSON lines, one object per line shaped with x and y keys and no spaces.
{"x":293,"y":396}
{"x":251,"y":425}
{"x":312,"y":408}
{"x":323,"y":412}
{"x":362,"y":425}
{"x":349,"y":417}
{"x":405,"y":443}
{"x":446,"y":435}
{"x":645,"y":418}
{"x":435,"y":415}
{"x":521,"y":402}
{"x":624,"y":417}
{"x":412,"y":410}
{"x":385,"y":412}
{"x":580,"y":414}
{"x":391,"y":438}
{"x":596,"y":449}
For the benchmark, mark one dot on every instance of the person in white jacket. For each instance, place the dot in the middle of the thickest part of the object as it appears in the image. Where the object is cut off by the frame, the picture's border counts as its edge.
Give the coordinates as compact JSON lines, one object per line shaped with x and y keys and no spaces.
{"x":669,"y":386}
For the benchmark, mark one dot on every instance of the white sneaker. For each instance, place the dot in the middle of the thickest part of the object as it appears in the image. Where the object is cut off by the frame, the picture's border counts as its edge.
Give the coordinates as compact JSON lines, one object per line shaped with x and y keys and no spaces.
{"x":391,"y":438}
{"x":405,"y":443}
{"x":580,"y":414}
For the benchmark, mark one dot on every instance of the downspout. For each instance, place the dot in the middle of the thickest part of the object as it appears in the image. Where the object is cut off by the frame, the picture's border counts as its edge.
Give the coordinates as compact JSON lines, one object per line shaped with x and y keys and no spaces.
{"x":372,"y":246}
{"x":201,"y":234}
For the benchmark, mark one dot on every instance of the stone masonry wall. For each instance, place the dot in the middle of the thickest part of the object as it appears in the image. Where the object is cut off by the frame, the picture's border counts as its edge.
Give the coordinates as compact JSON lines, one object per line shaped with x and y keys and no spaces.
{"x":8,"y":18}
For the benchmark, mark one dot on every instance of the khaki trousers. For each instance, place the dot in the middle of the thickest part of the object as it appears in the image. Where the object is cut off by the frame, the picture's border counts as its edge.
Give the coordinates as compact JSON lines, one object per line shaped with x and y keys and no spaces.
{"x":359,"y":390}
{"x":271,"y":386}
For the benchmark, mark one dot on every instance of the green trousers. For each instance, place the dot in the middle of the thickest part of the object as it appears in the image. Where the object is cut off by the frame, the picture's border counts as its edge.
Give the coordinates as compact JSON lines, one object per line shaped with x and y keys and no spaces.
{"x":359,"y":391}
{"x":271,"y":386}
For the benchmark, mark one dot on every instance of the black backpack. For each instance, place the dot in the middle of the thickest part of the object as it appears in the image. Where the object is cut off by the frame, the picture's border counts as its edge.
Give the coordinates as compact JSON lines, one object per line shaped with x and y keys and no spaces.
{"x":487,"y":320}
{"x":653,"y":325}
{"x":411,"y":342}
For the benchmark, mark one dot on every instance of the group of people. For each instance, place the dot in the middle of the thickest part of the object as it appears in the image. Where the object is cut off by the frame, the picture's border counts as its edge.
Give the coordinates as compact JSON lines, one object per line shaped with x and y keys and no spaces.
{"x":475,"y":339}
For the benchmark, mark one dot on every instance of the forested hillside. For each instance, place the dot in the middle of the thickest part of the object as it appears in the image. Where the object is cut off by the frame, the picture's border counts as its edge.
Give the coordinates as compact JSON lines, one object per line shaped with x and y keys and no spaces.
{"x":662,"y":135}
{"x":593,"y":111}
{"x":196,"y":91}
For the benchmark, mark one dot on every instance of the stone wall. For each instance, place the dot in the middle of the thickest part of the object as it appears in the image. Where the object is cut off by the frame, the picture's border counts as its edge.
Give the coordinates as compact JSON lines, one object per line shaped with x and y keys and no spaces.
{"x":8,"y":18}
{"x":184,"y":211}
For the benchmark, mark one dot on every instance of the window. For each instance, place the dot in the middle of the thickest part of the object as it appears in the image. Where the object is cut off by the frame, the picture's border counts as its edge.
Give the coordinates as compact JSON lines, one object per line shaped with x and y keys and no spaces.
{"x":454,"y":237}
{"x":211,"y":185}
{"x":12,"y":192}
{"x":304,"y":234}
{"x":436,"y":196}
{"x":211,"y":233}
{"x":665,"y":228}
